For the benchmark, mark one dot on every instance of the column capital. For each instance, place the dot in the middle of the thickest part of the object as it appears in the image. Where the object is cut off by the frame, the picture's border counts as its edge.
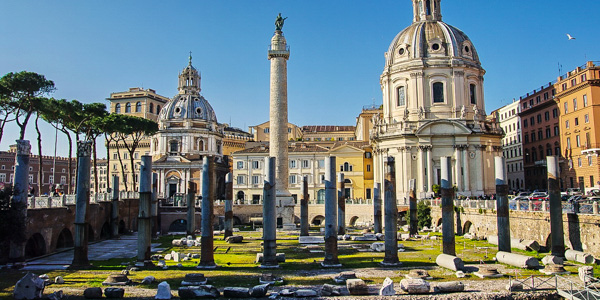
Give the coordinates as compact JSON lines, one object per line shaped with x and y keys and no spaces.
{"x":84,"y":148}
{"x":480,"y":147}
{"x":23,"y":147}
{"x":425,"y":148}
{"x":461,"y":146}
{"x":416,"y":74}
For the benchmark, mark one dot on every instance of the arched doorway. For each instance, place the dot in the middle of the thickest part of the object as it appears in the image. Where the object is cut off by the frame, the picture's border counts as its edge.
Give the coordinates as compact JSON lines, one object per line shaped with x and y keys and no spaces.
{"x":36,"y":246}
{"x":121,"y":227}
{"x":468,"y":227}
{"x":105,"y":231}
{"x":348,"y":188}
{"x":179,"y":225}
{"x":65,"y":239}
{"x":240,"y":195}
{"x":318,"y":220}
{"x":353,"y":221}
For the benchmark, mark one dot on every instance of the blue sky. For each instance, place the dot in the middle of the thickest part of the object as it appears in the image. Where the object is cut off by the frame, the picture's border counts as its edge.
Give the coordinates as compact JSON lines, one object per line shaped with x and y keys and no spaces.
{"x":92,"y":48}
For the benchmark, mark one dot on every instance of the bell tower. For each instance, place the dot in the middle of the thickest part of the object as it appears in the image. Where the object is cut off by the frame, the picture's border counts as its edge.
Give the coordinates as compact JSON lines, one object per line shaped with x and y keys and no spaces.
{"x":427,"y":10}
{"x":189,"y":79}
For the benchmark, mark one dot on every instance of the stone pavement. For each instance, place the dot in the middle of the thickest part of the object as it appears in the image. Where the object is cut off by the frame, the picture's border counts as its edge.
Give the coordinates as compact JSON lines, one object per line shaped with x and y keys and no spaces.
{"x":125,"y":247}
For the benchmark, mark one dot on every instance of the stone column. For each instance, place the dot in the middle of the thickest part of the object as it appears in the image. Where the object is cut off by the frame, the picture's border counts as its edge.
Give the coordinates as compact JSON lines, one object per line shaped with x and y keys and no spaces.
{"x":114,"y":214}
{"x":191,"y":208}
{"x":421,"y":177}
{"x":391,"y":216}
{"x":19,"y":198}
{"x":269,"y":216}
{"x":228,"y":205}
{"x":82,"y":199}
{"x":278,"y":140}
{"x":304,"y":207}
{"x":207,"y":260}
{"x":502,"y":205}
{"x":428,"y":148}
{"x":467,"y":170}
{"x":377,"y":208}
{"x":331,"y":251}
{"x":341,"y":213}
{"x":447,"y":206}
{"x":556,"y":221}
{"x":479,"y":167}
{"x":154,"y":206}
{"x":458,"y":168}
{"x":145,"y":213}
{"x":407,"y":173}
{"x":412,"y":200}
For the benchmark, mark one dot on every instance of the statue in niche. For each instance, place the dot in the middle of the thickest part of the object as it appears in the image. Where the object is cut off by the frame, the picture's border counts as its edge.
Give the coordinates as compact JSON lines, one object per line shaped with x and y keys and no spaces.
{"x":421,"y":113}
{"x":279,"y":22}
{"x":475,"y":110}
{"x":463,"y":112}
{"x":406,"y":114}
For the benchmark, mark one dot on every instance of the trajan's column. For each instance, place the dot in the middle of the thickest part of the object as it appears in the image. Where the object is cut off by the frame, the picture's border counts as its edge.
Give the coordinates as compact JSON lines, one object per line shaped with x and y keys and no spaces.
{"x":279,"y":53}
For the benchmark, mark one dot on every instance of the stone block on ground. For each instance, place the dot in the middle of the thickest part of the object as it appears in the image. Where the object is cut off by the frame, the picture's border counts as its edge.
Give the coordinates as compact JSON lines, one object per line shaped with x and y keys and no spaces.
{"x":280,"y":257}
{"x":378,"y":247}
{"x":449,"y":287}
{"x":198,"y":292}
{"x":58,"y":295}
{"x":168,"y":257}
{"x":516,"y":243}
{"x":514,"y":286}
{"x":304,"y":293}
{"x":190,"y":243}
{"x":59,"y":280}
{"x":531,"y":245}
{"x":488,"y":271}
{"x":176,"y":243}
{"x":418,"y":274}
{"x":380,"y":236}
{"x":148,"y":280}
{"x":517,"y":260}
{"x":450,"y":262}
{"x":343,"y":276}
{"x":554,"y":269}
{"x":415,"y":286}
{"x":236,"y":292}
{"x":30,"y":287}
{"x":586,"y":274}
{"x":366,"y":237}
{"x":387,"y":288}
{"x":161,"y":263}
{"x":311,"y":240}
{"x":259,"y":291}
{"x":117,"y":279}
{"x":114,"y":293}
{"x":92,"y":293}
{"x":331,"y":290}
{"x":164,"y":291}
{"x":405,"y":236}
{"x":493,"y":239}
{"x":176,"y":257}
{"x":234,"y":239}
{"x":552,"y":260}
{"x":578,"y":256}
{"x":194,"y":279}
{"x":357,"y":287}
{"x":269,"y":278}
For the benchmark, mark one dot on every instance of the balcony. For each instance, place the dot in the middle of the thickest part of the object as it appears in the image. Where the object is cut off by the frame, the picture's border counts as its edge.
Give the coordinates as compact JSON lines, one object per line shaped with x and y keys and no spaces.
{"x":589,"y":149}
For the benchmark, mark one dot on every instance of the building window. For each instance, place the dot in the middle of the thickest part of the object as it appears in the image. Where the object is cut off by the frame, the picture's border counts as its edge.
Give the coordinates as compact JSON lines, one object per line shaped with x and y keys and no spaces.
{"x":174,"y":147}
{"x":292,"y":179}
{"x":138,"y":106}
{"x":586,"y":118}
{"x":540,"y":135}
{"x":585,"y":103}
{"x":568,"y":143}
{"x":240,"y":165}
{"x":554,"y":113}
{"x":292,"y":164}
{"x":564,"y":86}
{"x":438,"y":92}
{"x":557,"y":151}
{"x":321,"y":163}
{"x":546,"y":96}
{"x":255,"y":179}
{"x":289,"y":130}
{"x":401,"y":96}
{"x":128,"y":107}
{"x":2,"y":177}
{"x":266,"y":130}
{"x":63,"y":179}
{"x":305,"y":164}
{"x":151,"y":108}
{"x":240,"y":179}
{"x":533,"y":137}
{"x":525,"y":123}
{"x":368,"y":168}
{"x":566,"y":107}
{"x":255,"y":164}
{"x":577,"y":141}
{"x":590,"y":162}
{"x":579,"y":162}
{"x":157,"y":109}
{"x":368,"y":155}
{"x":547,"y":116}
{"x":526,"y":139}
{"x":567,"y":124}
{"x":30,"y":178}
{"x":556,"y":130}
{"x":539,"y":118}
{"x":472,"y":93}
{"x":548,"y":133}
{"x":576,"y":121}
{"x":538,"y":99}
{"x":573,"y":82}
{"x":532,"y":121}
{"x":575,"y":104}
{"x":118,"y":108}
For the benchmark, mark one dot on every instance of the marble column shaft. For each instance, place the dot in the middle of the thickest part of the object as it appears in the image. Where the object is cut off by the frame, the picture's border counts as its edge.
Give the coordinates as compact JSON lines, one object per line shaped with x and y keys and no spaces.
{"x":82,"y":199}
{"x":341,"y":213}
{"x":447,"y":206}
{"x":331,"y":251}
{"x":390,"y":216}
{"x":304,"y":207}
{"x":502,"y":205}
{"x":556,"y":221}
{"x":270,"y":216}
{"x":19,"y":199}
{"x":228,"y":230}
{"x":377,"y":208}
{"x":145,"y":212}
{"x":207,"y":260}
{"x":114,"y":214}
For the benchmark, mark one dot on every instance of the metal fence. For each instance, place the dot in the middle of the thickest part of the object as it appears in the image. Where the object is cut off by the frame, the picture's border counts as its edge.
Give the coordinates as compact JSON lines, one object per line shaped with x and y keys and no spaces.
{"x":64,"y":200}
{"x":579,"y":207}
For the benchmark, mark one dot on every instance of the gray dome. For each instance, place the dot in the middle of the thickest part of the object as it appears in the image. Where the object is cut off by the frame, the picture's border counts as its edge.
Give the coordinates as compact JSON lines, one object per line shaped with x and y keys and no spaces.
{"x":187,"y":106}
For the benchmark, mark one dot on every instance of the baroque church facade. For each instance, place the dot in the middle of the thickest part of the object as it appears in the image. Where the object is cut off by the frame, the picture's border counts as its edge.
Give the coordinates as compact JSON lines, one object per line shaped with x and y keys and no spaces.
{"x":433,"y":107}
{"x":188,"y":131}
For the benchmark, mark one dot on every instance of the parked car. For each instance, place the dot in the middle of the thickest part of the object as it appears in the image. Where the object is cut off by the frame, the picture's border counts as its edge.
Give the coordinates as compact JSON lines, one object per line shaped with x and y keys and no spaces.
{"x":593,"y":192}
{"x":573,"y":191}
{"x":538,"y":196}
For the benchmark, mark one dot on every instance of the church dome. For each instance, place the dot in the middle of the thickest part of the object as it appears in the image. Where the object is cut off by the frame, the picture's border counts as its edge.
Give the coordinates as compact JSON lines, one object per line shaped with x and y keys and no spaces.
{"x":188,"y":104}
{"x":430,"y":38}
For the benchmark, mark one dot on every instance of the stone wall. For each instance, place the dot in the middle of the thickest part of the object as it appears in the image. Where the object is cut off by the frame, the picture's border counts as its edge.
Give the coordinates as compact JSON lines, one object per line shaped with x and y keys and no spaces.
{"x":582,"y":232}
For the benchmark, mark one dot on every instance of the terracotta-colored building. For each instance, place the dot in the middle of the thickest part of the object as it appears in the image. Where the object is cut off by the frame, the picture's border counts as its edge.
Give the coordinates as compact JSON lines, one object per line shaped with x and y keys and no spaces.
{"x":578,"y":98}
{"x":540,"y":135}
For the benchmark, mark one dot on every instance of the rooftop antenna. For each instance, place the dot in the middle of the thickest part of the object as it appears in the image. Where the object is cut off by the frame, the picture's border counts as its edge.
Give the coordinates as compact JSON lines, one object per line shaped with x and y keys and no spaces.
{"x":559,"y":69}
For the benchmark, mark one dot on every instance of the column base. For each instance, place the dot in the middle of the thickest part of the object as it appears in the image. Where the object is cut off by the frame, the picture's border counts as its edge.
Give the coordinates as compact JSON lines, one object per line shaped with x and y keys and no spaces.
{"x":331,"y":265}
{"x":207,"y":266}
{"x":289,"y":227}
{"x":390,"y":264}
{"x":145,"y":263}
{"x":269,"y":266}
